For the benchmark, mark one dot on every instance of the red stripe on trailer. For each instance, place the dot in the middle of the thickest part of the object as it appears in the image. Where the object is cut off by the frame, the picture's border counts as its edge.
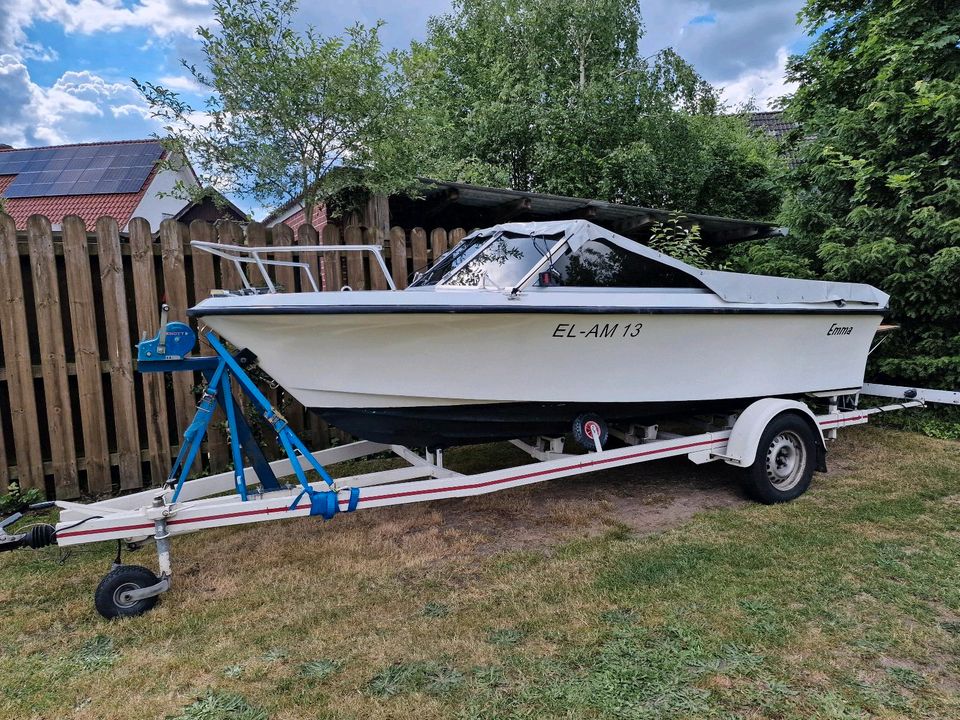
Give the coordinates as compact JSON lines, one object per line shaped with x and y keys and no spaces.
{"x":104,"y":530}
{"x":524,"y":476}
{"x":240,"y":513}
{"x":489,"y":483}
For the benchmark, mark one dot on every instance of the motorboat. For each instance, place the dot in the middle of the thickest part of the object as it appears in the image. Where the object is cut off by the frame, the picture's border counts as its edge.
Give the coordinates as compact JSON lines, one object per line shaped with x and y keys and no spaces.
{"x":522,"y":328}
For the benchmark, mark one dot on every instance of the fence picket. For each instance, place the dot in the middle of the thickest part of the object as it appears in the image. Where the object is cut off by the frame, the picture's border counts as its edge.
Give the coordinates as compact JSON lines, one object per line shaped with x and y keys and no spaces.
{"x":119,"y":354}
{"x":398,"y":257}
{"x":172,"y":241}
{"x":456,"y":235}
{"x":148,"y":306}
{"x":418,"y":247}
{"x":229,"y":233}
{"x":17,"y":361}
{"x":307,"y":235}
{"x":333,"y":276}
{"x":53,"y":359}
{"x":83,"y":324}
{"x":204,"y":280}
{"x":256,"y":236}
{"x":438,"y":244}
{"x":356,"y":279}
{"x":378,"y":281}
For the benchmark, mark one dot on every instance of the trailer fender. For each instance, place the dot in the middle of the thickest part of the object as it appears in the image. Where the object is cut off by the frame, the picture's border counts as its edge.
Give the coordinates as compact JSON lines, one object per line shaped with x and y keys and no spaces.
{"x":747,"y":430}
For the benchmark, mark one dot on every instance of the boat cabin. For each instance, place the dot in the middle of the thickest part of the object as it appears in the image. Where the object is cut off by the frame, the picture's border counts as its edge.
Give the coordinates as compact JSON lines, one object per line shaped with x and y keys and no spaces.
{"x":527,"y":255}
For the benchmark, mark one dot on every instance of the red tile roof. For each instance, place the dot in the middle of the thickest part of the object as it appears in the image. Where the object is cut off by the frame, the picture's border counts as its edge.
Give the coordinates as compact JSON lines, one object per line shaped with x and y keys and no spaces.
{"x":119,"y":206}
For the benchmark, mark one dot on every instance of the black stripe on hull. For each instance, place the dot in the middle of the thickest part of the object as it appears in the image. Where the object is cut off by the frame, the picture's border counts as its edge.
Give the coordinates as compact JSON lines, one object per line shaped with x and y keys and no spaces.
{"x":452,"y":425}
{"x":281,"y":310}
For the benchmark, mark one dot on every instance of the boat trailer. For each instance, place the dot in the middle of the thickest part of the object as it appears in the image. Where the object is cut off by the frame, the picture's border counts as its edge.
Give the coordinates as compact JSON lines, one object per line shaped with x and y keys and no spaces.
{"x":777,"y":441}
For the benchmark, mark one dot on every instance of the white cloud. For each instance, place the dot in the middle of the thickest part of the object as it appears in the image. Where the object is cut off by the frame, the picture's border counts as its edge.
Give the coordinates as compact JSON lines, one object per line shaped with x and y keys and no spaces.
{"x":161,"y":17}
{"x":763,"y":86}
{"x":73,"y":109}
{"x":131,"y":110}
{"x":740,"y":48}
{"x":180,"y":82}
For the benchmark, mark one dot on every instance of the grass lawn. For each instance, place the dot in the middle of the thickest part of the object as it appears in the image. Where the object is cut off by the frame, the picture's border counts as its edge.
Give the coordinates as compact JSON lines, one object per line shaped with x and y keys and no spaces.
{"x":650,"y":592}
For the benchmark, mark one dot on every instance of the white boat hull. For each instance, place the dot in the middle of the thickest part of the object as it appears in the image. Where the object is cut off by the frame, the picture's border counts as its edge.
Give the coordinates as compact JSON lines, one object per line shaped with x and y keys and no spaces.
{"x":391,"y":360}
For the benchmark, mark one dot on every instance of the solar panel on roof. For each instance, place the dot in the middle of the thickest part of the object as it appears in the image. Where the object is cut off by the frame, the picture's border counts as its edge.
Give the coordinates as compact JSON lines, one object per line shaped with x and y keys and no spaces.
{"x":79,"y":170}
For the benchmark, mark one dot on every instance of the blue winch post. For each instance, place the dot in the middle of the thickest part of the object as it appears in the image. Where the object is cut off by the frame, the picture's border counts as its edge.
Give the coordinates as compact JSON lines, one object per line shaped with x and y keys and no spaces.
{"x":168,"y":353}
{"x":291,"y":443}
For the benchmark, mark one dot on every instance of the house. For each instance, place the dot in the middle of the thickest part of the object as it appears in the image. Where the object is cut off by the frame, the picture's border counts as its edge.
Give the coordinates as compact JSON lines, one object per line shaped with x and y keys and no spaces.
{"x":454,"y":204}
{"x":120,"y":179}
{"x":212,"y":207}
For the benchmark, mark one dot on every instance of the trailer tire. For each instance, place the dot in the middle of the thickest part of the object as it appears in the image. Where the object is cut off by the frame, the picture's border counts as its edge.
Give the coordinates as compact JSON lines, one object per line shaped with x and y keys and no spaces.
{"x":107,"y":598}
{"x":786,"y":455}
{"x":585,"y":426}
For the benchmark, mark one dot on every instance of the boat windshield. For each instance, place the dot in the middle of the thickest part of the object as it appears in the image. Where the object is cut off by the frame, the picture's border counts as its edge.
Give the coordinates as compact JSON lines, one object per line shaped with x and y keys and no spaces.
{"x":500,"y":262}
{"x":450,"y":261}
{"x":504,"y":262}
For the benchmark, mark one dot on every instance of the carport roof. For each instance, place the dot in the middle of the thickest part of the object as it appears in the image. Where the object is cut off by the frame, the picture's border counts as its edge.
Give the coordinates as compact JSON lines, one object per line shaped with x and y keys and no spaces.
{"x":496,"y":205}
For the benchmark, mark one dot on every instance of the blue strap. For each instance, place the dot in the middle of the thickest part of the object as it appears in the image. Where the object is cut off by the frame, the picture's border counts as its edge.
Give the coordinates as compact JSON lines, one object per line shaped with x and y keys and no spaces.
{"x":200,"y":420}
{"x":354,"y":499}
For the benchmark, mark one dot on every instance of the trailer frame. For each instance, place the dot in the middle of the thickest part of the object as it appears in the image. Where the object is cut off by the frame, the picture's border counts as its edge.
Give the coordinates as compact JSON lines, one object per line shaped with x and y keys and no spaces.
{"x":185,"y":505}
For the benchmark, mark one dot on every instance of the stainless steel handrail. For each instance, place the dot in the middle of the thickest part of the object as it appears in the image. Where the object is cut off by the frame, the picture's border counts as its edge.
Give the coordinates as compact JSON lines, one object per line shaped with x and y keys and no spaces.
{"x":241,"y":255}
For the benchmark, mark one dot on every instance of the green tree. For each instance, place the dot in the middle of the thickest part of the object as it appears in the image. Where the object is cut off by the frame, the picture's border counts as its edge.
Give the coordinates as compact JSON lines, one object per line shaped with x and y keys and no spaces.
{"x":555,"y":96}
{"x":680,"y":239}
{"x":876,"y":196}
{"x":287,"y":110}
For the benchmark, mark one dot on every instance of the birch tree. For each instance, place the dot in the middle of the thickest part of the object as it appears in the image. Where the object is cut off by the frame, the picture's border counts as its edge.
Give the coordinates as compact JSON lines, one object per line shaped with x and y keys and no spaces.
{"x":287,"y":113}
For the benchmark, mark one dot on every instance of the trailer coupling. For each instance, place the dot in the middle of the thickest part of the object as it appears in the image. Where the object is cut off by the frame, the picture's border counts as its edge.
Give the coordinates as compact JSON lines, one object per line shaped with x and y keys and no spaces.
{"x":36,"y":536}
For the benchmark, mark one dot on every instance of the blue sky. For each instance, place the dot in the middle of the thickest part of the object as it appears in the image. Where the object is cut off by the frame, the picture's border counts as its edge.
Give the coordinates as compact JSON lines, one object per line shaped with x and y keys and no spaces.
{"x":65,"y":65}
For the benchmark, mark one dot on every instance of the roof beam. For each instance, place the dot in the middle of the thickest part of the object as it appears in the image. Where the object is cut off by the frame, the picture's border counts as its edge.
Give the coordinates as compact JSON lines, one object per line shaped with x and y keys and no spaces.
{"x":632,"y":224}
{"x":508,"y":210}
{"x":584,"y":212}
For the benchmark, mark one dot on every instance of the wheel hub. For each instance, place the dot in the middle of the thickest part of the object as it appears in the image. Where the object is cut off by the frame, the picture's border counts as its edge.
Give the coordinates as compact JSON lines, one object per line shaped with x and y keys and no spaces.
{"x":121,"y":596}
{"x":785,"y":460}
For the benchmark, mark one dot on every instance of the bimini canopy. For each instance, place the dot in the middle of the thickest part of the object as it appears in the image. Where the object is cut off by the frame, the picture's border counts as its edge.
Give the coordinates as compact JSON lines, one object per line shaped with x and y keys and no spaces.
{"x":729,"y":286}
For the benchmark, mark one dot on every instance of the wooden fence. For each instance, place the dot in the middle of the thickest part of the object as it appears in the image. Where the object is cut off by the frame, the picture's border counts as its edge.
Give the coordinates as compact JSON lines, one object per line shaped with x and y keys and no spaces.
{"x":76,"y":419}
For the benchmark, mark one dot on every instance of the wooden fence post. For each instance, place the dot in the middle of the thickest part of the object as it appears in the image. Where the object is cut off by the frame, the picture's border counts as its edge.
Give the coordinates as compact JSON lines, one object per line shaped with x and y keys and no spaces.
{"x":53,"y":360}
{"x":148,"y":308}
{"x":17,"y":361}
{"x":119,"y":353}
{"x":83,"y":325}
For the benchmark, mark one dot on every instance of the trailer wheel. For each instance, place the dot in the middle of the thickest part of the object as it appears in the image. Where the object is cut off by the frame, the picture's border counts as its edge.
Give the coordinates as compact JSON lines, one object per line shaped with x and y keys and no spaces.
{"x":785,"y":458}
{"x":108,"y":597}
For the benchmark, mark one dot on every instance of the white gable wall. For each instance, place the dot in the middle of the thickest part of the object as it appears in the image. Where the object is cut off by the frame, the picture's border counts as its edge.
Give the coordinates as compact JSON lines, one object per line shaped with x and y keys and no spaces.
{"x":155,"y":209}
